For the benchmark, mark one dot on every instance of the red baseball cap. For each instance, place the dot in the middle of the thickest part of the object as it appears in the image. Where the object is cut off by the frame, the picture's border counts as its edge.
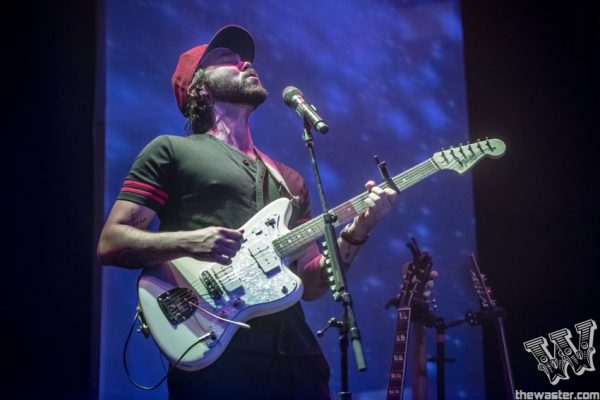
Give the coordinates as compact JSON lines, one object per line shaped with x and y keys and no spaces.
{"x":231,"y":37}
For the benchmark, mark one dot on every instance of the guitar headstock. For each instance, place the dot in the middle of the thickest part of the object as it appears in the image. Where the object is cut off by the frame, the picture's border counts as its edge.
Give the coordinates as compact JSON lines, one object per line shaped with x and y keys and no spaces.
{"x":415,"y":288}
{"x":483,"y":291}
{"x":464,"y":157}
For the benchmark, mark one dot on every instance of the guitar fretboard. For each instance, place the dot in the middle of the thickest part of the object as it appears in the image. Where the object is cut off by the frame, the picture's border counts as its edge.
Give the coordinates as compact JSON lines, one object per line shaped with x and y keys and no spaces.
{"x":396,"y":381}
{"x":306,"y":233}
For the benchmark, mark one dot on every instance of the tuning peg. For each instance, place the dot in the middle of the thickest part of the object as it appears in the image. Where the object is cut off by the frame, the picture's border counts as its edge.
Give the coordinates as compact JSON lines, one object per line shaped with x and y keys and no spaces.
{"x":454,"y":156}
{"x":470,"y":147}
{"x":444,"y":155}
{"x":479,"y":145}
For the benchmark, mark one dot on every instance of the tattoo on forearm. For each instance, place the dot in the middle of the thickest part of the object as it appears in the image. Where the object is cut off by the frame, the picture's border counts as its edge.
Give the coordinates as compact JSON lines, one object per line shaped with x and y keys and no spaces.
{"x":129,"y":258}
{"x":133,"y":221}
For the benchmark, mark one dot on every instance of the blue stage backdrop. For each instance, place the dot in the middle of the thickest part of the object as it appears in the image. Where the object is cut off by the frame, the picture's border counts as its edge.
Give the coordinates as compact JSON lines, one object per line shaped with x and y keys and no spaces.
{"x":388,"y":76}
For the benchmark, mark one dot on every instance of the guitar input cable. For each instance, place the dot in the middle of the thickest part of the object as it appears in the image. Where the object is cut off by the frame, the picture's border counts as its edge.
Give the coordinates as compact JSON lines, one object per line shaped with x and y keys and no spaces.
{"x":138,"y":316}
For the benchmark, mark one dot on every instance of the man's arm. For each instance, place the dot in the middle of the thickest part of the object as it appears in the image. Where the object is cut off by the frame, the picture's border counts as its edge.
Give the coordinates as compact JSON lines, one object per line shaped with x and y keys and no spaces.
{"x":310,"y":265}
{"x":125,"y":242}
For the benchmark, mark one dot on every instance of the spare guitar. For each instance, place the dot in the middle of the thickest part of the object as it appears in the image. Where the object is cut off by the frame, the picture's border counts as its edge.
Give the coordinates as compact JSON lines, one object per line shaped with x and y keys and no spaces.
{"x":411,"y":298}
{"x":490,"y":310}
{"x":193,"y":308}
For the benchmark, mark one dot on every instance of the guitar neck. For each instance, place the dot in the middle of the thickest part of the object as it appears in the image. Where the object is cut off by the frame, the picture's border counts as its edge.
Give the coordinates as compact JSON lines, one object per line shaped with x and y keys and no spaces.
{"x":396,"y":382}
{"x":486,"y":301}
{"x":306,"y":233}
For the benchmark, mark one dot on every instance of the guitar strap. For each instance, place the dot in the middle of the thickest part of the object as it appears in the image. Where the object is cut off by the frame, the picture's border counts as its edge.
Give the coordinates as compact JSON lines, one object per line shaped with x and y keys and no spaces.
{"x":271,"y":167}
{"x":262,"y":183}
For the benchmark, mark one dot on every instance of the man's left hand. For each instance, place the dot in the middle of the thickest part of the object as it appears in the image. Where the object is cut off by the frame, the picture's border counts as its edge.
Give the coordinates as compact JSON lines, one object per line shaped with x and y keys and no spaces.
{"x":380,"y":202}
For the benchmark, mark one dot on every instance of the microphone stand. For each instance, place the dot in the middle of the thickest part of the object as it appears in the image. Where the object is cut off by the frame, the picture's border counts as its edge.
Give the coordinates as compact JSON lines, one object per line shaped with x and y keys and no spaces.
{"x":347,"y":325}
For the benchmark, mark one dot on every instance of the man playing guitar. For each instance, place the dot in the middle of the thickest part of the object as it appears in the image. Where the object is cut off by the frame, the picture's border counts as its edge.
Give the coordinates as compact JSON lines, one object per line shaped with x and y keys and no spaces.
{"x":204,"y":187}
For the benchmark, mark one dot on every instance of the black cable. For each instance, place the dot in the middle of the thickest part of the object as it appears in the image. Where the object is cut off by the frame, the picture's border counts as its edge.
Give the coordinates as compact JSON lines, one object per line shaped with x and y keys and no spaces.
{"x":201,"y":339}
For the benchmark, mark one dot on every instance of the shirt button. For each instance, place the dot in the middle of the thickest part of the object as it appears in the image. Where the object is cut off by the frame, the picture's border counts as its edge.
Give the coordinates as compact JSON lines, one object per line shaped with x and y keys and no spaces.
{"x":246,"y":163}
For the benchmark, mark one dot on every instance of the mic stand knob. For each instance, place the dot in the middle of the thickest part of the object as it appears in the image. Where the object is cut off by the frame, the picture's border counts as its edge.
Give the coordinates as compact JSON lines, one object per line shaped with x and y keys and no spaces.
{"x":333,"y":322}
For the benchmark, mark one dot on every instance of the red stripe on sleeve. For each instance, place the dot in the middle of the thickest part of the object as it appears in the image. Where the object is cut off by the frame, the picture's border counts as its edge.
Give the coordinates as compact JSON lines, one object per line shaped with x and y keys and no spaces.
{"x":147,"y":187}
{"x":144,"y":193}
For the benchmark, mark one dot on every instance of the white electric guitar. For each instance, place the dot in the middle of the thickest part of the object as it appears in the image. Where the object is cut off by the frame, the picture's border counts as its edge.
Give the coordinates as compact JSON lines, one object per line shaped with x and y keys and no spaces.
{"x":193,"y":308}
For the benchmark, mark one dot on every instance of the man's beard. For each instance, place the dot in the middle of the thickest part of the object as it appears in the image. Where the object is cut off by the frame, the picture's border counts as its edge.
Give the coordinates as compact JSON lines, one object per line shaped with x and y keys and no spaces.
{"x":237,"y":91}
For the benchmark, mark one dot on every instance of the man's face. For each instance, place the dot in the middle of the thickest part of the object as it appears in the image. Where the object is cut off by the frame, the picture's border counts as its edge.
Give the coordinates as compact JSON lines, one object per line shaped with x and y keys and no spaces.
{"x":230,"y":79}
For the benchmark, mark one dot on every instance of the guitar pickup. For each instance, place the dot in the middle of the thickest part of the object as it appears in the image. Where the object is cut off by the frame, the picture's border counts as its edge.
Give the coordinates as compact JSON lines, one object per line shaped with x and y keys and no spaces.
{"x":266,"y":258}
{"x":211,"y":285}
{"x":227,"y":277}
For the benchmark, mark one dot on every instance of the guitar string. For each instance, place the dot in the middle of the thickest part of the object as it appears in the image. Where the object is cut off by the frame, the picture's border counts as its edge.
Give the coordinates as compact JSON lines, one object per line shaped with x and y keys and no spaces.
{"x":405,"y":180}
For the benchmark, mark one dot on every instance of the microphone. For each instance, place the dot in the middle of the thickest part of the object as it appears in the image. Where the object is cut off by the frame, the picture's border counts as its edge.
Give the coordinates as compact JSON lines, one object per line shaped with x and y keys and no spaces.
{"x":293,"y":97}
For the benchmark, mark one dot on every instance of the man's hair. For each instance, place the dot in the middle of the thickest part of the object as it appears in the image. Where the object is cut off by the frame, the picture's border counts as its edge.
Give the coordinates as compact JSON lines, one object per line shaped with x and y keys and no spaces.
{"x":199,"y":105}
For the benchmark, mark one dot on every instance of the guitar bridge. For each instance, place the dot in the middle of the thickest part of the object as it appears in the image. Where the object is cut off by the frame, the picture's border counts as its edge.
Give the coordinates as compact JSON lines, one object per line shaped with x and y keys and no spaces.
{"x":175,"y":304}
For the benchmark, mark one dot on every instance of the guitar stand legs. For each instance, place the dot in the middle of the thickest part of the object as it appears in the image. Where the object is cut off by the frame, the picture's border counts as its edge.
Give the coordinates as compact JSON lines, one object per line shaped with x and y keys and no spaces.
{"x":440,"y":359}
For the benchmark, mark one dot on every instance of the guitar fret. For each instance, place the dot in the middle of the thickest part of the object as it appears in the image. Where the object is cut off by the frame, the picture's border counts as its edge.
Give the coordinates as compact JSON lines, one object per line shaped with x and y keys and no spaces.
{"x":396,"y":380}
{"x":402,"y":181}
{"x":397,"y":349}
{"x":303,"y":235}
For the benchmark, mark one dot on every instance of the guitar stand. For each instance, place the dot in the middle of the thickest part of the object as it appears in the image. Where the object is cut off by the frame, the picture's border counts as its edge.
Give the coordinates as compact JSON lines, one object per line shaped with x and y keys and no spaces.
{"x":440,"y":359}
{"x":485,"y":315}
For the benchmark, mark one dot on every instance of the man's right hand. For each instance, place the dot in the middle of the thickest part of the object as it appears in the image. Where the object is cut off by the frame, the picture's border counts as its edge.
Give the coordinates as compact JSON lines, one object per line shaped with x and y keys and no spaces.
{"x":214,"y":243}
{"x":125,"y":242}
